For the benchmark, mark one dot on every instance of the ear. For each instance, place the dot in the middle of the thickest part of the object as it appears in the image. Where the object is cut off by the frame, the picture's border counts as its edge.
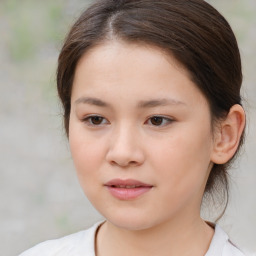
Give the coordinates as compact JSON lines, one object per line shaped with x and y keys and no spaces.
{"x":227,"y":135}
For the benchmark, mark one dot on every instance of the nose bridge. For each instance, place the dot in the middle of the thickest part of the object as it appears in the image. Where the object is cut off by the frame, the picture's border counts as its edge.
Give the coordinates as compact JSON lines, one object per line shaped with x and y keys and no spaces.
{"x":125,"y":148}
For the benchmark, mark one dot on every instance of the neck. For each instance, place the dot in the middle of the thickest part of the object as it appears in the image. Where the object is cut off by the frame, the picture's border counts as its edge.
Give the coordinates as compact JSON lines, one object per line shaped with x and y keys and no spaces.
{"x":170,"y":238}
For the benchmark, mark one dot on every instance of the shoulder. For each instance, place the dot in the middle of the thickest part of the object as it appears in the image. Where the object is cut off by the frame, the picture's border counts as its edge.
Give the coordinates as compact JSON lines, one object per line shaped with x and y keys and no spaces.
{"x":222,"y":246}
{"x":74,"y":244}
{"x":231,"y":249}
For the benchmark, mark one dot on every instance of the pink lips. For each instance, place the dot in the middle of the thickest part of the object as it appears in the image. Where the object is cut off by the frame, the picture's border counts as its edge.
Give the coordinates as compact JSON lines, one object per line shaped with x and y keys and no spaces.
{"x":127,"y":189}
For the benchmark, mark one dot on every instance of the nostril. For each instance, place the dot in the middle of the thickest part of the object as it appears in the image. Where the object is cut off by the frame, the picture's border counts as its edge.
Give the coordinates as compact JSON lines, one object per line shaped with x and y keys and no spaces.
{"x":125,"y":157}
{"x":133,"y":163}
{"x":124,"y":163}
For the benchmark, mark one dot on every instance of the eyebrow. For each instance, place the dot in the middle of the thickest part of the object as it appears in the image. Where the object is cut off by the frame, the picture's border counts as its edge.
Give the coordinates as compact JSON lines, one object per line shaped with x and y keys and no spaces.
{"x":142,"y":104}
{"x":92,"y":101}
{"x":159,"y":102}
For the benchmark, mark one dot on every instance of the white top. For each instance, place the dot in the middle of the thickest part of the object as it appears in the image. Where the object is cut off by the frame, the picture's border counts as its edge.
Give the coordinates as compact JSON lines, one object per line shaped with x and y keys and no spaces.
{"x":82,"y":243}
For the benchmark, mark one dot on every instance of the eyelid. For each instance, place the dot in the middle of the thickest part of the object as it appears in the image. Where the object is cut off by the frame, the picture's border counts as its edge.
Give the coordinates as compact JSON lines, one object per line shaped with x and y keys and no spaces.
{"x":87,"y":120}
{"x":168,"y":120}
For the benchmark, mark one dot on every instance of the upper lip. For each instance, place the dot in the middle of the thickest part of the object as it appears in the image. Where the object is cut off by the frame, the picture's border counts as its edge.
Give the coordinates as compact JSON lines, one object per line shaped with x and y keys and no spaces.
{"x":126,"y":183}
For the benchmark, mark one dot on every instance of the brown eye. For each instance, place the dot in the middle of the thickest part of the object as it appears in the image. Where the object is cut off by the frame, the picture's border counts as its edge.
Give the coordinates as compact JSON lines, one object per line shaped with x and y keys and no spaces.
{"x":156,"y":120}
{"x":96,"y":120}
{"x":160,"y":121}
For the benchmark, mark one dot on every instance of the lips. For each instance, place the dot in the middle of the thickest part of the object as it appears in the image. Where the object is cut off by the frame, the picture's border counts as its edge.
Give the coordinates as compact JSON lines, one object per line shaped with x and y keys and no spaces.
{"x":125,"y":186}
{"x":127,"y":189}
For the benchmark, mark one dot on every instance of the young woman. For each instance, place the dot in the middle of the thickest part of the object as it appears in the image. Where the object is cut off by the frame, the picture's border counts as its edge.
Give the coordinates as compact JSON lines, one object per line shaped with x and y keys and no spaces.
{"x":153,"y":114}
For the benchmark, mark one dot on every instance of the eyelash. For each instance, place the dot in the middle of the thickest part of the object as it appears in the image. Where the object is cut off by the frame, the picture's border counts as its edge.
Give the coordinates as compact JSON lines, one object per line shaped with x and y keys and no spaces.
{"x":88,"y":120}
{"x":166,"y":120}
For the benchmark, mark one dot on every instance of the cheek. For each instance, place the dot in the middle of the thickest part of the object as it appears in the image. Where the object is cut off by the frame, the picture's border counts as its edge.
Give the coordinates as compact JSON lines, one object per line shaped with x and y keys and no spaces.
{"x":87,"y":159}
{"x":184,"y":160}
{"x":86,"y":151}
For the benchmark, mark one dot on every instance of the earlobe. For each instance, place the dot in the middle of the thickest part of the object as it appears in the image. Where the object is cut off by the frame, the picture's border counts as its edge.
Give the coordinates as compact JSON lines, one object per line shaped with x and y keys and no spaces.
{"x":228,"y":135}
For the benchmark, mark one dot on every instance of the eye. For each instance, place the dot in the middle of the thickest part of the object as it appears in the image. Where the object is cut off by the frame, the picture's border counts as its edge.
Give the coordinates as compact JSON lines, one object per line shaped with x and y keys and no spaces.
{"x":159,"y":121}
{"x":95,"y":120}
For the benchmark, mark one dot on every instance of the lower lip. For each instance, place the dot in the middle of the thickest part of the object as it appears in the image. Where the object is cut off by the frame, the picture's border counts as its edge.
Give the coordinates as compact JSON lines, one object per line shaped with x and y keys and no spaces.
{"x":128,"y":193}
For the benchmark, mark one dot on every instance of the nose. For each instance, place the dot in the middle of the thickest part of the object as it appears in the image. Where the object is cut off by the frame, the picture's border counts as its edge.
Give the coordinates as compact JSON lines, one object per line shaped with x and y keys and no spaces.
{"x":125,"y":149}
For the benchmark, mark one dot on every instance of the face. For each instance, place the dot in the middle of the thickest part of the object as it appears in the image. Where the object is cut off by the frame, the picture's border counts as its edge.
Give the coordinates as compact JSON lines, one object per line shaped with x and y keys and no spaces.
{"x":140,"y":135}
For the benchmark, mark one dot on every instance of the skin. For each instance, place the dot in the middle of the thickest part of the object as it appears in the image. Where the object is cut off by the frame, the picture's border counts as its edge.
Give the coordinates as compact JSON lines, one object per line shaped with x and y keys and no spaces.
{"x":118,"y":81}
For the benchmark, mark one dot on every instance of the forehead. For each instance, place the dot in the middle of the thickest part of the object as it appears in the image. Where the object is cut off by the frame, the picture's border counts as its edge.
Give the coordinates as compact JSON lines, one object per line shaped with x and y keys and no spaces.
{"x":131,"y":69}
{"x":131,"y":53}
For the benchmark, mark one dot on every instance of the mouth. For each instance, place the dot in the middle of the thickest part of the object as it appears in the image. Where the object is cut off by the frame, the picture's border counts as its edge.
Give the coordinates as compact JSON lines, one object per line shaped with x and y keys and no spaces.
{"x":127,"y":189}
{"x":125,"y":186}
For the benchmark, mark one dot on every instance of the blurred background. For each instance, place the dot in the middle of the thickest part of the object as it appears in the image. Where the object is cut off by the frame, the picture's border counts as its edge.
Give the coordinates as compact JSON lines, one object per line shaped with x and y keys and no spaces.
{"x":39,"y":193}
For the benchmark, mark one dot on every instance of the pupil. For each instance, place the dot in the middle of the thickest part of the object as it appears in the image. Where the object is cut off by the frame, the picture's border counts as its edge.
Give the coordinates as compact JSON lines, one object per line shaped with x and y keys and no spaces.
{"x":97,"y":120}
{"x":156,"y":120}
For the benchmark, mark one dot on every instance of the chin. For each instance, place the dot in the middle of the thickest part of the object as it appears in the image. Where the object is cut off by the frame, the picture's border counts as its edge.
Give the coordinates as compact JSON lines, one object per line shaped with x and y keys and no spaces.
{"x":132,"y":222}
{"x":132,"y":225}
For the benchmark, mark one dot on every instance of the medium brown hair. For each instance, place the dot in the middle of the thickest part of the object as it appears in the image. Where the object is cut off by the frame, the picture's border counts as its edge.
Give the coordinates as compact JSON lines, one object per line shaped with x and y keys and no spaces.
{"x":192,"y":31}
